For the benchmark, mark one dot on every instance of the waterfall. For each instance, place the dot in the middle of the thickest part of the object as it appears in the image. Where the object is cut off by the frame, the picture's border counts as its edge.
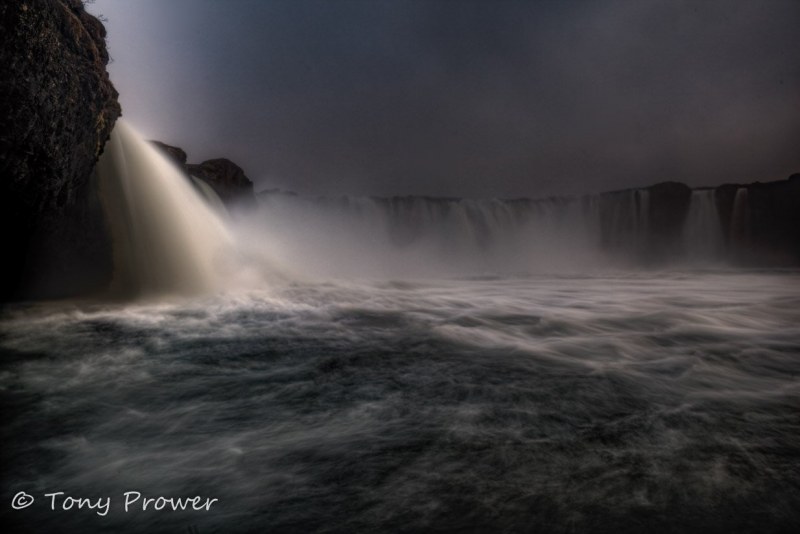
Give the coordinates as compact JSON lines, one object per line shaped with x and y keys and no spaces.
{"x":641,"y":227}
{"x":209,"y":195}
{"x":624,"y":221}
{"x":702,"y":232}
{"x":740,"y":218}
{"x":433,"y":236}
{"x":168,"y":239}
{"x":165,"y":237}
{"x":419,"y":236}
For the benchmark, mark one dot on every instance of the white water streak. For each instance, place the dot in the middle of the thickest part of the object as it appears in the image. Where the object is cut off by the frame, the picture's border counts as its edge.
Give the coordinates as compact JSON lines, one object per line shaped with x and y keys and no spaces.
{"x":166,"y":239}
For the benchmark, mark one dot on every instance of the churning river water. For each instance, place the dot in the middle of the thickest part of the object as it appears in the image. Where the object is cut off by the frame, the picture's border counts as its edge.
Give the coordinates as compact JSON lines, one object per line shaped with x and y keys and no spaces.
{"x":645,"y":402}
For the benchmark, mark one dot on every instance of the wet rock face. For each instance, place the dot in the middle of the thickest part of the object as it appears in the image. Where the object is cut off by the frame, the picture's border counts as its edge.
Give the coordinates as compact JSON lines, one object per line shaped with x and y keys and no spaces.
{"x":57,"y":108}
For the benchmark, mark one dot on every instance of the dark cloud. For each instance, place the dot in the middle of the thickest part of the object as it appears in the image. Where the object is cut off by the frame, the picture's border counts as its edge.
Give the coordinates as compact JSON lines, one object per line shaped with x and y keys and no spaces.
{"x":467,"y":98}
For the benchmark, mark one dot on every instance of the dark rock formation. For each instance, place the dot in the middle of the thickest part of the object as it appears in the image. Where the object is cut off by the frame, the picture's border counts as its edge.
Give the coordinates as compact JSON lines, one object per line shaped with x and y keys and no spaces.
{"x":178,"y":155}
{"x":766,"y":232}
{"x":668,"y":206}
{"x":226,"y":178}
{"x":645,"y":224}
{"x":57,"y":108}
{"x":763,"y":231}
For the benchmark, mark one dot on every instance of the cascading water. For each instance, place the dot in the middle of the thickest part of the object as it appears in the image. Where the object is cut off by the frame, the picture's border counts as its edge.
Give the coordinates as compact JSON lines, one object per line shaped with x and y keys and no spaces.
{"x":431,"y":236}
{"x":416,"y":236}
{"x":642,"y":216}
{"x":166,"y":239}
{"x":740,"y":217}
{"x":623,"y":222}
{"x":209,"y":195}
{"x":702,"y":233}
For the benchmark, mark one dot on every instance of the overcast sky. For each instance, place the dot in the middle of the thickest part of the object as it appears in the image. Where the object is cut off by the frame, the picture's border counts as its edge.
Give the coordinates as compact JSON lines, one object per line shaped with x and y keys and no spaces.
{"x":466,"y":98}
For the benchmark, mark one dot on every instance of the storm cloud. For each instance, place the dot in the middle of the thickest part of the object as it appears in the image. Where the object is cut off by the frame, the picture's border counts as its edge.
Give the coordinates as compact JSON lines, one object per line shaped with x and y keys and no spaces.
{"x":478,"y":99}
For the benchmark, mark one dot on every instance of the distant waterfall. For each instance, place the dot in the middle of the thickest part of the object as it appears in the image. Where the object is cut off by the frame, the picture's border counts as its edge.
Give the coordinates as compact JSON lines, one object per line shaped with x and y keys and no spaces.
{"x":702,"y":232}
{"x":421,"y":235}
{"x":166,"y":239}
{"x":622,"y":221}
{"x":642,"y":213}
{"x":431,"y":236}
{"x":740,"y":217}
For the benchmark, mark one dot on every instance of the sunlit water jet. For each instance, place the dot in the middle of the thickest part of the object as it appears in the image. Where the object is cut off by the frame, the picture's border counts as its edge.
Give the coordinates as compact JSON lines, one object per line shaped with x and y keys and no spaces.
{"x":166,"y":239}
{"x":210,"y":196}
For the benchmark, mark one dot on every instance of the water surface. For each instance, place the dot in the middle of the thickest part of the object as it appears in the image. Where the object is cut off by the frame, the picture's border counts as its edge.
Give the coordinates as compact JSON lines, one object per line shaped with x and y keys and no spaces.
{"x":656,"y":402}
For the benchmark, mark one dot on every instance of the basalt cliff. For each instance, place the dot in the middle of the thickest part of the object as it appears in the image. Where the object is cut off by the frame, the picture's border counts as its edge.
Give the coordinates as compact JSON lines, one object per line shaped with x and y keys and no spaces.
{"x":57,"y":109}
